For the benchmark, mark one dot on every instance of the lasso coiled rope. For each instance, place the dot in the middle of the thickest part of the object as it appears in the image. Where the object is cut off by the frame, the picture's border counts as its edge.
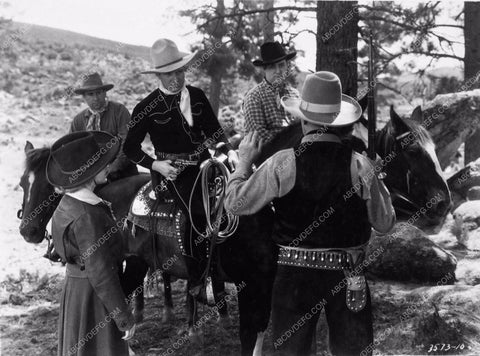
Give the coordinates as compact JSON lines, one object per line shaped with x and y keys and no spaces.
{"x":214,"y":212}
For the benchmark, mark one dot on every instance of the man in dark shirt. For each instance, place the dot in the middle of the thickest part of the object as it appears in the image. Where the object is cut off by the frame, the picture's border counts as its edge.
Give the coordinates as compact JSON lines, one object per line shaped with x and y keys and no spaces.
{"x":180,"y":122}
{"x":104,"y":115}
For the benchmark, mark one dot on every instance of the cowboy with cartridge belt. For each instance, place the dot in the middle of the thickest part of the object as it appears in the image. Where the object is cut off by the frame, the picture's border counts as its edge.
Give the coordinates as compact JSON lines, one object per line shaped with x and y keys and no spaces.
{"x":179,"y":120}
{"x":321,"y":230}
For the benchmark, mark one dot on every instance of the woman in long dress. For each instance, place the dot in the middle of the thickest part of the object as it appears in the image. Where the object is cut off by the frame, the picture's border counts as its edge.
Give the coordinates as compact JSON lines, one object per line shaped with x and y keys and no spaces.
{"x":94,"y":316}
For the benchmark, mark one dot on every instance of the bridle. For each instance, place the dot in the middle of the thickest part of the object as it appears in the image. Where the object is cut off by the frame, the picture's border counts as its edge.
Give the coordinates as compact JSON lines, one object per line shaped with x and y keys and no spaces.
{"x":50,"y":253}
{"x":396,"y":194}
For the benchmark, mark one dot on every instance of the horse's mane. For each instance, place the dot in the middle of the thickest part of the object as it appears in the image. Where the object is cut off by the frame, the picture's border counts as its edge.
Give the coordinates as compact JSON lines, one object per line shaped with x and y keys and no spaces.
{"x":37,"y":159}
{"x":387,"y":136}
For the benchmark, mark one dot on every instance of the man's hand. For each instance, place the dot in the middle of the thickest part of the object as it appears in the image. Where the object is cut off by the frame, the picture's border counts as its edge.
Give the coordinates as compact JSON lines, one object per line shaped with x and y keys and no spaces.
{"x":233,"y":159}
{"x":129,"y":333}
{"x":377,"y":165}
{"x":249,"y":149}
{"x":165,"y":169}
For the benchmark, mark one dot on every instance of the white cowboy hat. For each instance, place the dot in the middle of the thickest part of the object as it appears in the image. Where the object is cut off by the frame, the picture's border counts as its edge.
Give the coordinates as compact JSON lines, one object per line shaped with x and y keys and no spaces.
{"x":166,"y":57}
{"x":322,"y":102}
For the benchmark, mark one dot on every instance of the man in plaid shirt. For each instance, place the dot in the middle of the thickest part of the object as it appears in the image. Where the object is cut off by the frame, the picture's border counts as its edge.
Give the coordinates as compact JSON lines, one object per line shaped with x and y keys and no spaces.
{"x":261,"y":105}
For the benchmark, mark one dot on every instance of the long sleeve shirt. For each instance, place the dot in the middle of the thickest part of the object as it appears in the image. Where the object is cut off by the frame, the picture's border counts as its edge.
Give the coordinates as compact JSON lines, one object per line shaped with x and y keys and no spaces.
{"x":263,"y":111}
{"x":113,"y":120}
{"x":159,"y":115}
{"x":247,"y":193}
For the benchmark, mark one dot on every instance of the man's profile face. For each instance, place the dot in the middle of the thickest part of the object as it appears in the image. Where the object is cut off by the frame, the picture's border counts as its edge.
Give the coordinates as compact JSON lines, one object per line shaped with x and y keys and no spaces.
{"x":276,"y":73}
{"x":173,"y":81}
{"x":95,"y":99}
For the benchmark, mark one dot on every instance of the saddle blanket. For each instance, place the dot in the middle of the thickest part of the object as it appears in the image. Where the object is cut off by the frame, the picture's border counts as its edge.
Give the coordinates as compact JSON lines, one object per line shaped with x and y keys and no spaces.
{"x":167,"y":219}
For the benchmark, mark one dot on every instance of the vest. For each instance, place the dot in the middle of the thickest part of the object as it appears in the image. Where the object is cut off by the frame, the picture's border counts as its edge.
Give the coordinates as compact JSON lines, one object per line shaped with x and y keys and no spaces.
{"x":317,"y":212}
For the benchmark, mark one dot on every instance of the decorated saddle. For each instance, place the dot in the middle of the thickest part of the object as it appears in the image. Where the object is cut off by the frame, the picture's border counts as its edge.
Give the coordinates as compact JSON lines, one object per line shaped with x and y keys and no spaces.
{"x":158,"y":213}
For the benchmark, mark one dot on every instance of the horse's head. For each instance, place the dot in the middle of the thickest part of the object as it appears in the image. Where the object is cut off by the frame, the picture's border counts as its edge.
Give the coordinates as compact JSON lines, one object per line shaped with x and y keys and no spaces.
{"x":39,"y":197}
{"x":414,"y":177}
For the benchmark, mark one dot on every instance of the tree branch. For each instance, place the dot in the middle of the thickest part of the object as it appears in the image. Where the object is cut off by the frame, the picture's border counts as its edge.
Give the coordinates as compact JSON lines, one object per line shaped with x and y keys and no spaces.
{"x":258,"y":11}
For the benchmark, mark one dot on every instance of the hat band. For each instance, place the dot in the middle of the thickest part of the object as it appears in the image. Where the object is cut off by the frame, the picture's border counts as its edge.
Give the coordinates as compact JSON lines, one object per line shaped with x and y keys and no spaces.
{"x":164,"y":65}
{"x":320,"y":108}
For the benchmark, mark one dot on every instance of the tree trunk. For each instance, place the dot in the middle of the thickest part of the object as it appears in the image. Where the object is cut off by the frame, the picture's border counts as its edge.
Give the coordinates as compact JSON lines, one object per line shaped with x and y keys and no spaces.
{"x":268,"y":22}
{"x":337,"y":37}
{"x":217,"y":73}
{"x":472,"y":67}
{"x":451,"y":119}
{"x":215,"y":90}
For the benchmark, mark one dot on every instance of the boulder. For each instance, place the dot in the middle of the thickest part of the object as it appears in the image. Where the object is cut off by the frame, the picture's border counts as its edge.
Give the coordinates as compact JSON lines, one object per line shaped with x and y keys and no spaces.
{"x":467,"y":224}
{"x":407,"y":254}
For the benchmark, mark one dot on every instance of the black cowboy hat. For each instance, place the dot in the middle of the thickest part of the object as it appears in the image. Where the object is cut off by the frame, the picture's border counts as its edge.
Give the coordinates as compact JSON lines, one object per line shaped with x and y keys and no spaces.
{"x":92,"y":82}
{"x":78,"y":157}
{"x":272,"y":52}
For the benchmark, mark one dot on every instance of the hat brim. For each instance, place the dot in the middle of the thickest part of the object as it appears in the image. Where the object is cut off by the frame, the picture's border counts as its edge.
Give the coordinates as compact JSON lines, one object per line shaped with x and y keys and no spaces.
{"x":187,"y":58}
{"x":82,"y":90}
{"x":350,"y":112}
{"x":287,"y":57}
{"x":67,"y":180}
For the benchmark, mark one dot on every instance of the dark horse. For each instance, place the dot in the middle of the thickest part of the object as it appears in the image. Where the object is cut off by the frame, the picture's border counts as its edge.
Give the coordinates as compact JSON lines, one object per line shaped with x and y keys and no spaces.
{"x":249,"y":258}
{"x":413,"y":177}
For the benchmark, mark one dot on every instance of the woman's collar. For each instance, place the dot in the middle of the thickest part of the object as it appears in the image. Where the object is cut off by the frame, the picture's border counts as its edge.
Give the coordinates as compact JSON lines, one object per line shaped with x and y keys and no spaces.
{"x":85,"y":195}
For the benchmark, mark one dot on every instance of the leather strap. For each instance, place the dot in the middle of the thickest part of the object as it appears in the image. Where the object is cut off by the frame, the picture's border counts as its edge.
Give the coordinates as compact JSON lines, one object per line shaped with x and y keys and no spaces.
{"x":345,"y":259}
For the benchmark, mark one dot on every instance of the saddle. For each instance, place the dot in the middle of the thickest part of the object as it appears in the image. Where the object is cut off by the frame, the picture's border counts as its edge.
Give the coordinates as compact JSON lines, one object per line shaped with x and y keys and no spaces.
{"x":160,"y":216}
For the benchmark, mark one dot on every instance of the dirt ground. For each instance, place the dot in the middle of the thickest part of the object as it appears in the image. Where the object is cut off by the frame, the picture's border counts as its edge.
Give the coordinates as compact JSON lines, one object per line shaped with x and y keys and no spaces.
{"x":405,"y":321}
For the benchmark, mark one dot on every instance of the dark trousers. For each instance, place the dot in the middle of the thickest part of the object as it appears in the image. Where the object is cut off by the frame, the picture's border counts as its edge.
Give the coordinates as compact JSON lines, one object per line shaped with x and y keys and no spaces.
{"x":195,"y":246}
{"x":299,"y":295}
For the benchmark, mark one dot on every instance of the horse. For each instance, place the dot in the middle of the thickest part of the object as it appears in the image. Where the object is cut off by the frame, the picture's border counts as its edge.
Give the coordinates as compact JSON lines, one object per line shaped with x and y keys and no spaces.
{"x":250,"y":255}
{"x":247,"y":261}
{"x":413,"y":173}
{"x":40,"y":200}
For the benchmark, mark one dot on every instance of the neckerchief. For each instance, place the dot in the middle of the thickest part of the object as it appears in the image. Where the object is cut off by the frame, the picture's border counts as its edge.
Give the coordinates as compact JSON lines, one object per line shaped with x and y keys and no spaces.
{"x":185,"y":107}
{"x":93,"y":123}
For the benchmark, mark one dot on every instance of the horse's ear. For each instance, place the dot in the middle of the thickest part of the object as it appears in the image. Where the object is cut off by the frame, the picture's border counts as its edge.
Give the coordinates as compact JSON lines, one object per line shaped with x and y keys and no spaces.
{"x":28,"y":146}
{"x":398,"y":124}
{"x":363,"y":102}
{"x":417,"y":115}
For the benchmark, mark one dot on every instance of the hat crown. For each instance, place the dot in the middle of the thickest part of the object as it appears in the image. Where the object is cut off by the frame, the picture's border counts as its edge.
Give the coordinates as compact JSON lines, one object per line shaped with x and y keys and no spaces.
{"x":92,"y":80}
{"x":73,"y":151}
{"x":165,"y":52}
{"x":273,"y":52}
{"x":323,"y":88}
{"x":270,"y":51}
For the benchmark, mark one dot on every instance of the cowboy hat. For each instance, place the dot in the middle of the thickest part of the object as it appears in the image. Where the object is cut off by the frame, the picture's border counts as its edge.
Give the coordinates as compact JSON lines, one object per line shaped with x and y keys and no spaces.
{"x":166,"y":57}
{"x":78,"y":157}
{"x":92,"y":82}
{"x":272,"y":52}
{"x":322,"y":102}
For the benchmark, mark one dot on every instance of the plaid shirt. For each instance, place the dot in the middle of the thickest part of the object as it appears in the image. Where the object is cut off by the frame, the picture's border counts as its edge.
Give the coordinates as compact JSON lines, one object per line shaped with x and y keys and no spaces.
{"x":263,"y":111}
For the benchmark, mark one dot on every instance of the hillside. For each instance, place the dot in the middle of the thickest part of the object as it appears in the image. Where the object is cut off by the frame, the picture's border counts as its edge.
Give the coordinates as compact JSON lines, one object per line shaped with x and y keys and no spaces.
{"x":48,"y":35}
{"x":39,"y":67}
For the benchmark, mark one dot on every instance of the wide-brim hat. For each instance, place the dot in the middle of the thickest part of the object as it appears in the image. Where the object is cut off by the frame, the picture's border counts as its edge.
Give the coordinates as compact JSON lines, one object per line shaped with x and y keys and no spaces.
{"x":271,"y":53}
{"x":322,"y":102}
{"x":92,"y":82}
{"x":78,"y":157}
{"x":166,"y":57}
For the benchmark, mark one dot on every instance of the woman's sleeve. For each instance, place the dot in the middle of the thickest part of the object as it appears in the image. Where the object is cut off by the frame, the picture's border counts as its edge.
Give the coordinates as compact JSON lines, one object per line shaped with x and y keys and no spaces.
{"x":101,"y":268}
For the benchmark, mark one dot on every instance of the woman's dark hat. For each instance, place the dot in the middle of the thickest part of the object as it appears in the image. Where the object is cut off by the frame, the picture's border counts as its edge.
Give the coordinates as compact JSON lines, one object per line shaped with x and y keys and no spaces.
{"x":78,"y":157}
{"x":272,"y":52}
{"x":92,"y":82}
